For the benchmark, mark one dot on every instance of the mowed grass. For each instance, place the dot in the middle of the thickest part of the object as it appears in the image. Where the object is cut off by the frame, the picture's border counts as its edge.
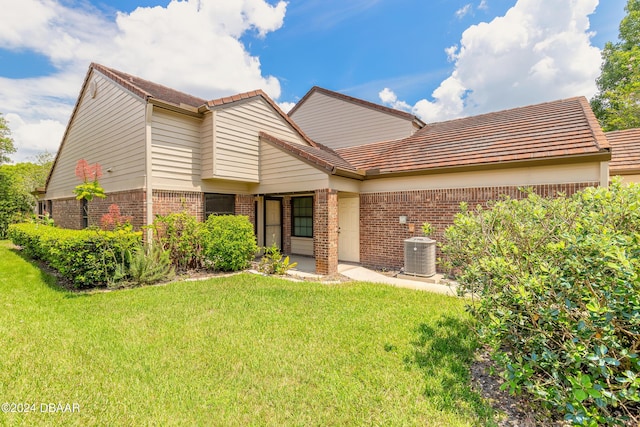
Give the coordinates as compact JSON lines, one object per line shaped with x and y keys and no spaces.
{"x":240,"y":350}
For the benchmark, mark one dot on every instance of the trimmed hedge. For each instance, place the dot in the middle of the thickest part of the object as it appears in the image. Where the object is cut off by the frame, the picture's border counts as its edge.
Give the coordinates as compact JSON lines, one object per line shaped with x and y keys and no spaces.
{"x":85,"y":257}
{"x":558,"y":282}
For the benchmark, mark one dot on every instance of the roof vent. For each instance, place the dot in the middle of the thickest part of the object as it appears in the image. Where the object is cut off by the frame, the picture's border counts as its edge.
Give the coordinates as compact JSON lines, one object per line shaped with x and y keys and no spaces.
{"x":420,"y":256}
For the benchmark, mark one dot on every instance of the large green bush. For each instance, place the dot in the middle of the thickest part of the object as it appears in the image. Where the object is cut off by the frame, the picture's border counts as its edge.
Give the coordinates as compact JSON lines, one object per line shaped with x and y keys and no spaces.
{"x":558,"y":296}
{"x":228,"y":242}
{"x":85,"y":257}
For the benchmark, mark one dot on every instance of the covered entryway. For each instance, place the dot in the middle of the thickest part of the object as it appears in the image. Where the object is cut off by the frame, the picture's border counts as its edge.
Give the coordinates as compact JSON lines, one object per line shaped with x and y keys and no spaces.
{"x":349,"y":228}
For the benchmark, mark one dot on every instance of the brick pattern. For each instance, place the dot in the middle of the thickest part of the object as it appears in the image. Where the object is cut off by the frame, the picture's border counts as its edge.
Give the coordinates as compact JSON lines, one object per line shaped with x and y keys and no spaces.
{"x":325,"y":230}
{"x":67,"y":213}
{"x":166,"y":202}
{"x":286,"y":224}
{"x":382,"y":236}
{"x":245,"y":205}
{"x":131,"y":203}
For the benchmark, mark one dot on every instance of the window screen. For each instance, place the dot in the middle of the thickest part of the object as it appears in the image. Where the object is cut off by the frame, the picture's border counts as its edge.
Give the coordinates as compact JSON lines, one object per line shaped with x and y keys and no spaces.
{"x":302,"y":216}
{"x":219,"y":204}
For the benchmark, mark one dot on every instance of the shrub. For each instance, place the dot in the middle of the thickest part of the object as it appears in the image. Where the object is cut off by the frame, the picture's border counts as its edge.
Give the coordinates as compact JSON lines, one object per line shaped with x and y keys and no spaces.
{"x":178,"y":234}
{"x":150,"y":266}
{"x":559,"y":296}
{"x":228,"y":242}
{"x":273,"y":263}
{"x":85,"y":257}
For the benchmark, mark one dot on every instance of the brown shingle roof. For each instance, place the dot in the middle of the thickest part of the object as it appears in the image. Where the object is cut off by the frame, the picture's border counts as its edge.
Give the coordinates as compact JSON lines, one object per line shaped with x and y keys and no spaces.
{"x":146,"y":89}
{"x":320,"y":156}
{"x":361,"y":102}
{"x":625,"y":150}
{"x":549,"y":130}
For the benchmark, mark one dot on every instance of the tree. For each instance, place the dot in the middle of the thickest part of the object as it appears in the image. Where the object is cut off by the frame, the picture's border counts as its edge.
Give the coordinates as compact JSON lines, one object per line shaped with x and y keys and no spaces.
{"x":6,"y":142}
{"x":14,"y":203}
{"x":617,"y":103}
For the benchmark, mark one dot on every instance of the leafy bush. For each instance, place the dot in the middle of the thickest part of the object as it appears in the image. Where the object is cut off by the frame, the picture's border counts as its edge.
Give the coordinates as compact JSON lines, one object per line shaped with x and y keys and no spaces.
{"x":273,"y":263}
{"x":228,"y":242}
{"x":558,"y":290}
{"x":178,"y":233}
{"x":85,"y":257}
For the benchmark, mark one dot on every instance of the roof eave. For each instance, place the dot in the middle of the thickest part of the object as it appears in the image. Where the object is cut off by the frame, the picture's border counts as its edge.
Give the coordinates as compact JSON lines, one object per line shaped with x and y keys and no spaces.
{"x":601,"y":156}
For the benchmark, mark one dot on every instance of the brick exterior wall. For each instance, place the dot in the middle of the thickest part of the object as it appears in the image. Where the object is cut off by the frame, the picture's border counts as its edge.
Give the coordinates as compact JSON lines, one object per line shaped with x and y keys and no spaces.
{"x":67,"y":213}
{"x":286,"y":224}
{"x":245,"y":205}
{"x":131,"y":203}
{"x":325,"y":230}
{"x":166,"y":202}
{"x":382,"y":236}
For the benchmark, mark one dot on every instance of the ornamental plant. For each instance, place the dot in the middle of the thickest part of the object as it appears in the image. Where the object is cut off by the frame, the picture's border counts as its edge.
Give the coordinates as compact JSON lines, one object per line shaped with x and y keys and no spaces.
{"x":556,"y":295}
{"x":89,"y":175}
{"x":114,"y":220}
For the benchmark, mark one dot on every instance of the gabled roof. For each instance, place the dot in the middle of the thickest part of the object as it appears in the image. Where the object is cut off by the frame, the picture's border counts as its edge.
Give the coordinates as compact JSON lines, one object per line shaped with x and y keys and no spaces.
{"x":538,"y":132}
{"x":625,"y":151}
{"x":357,"y":101}
{"x":220,"y":102}
{"x":319,"y":156}
{"x":146,"y":89}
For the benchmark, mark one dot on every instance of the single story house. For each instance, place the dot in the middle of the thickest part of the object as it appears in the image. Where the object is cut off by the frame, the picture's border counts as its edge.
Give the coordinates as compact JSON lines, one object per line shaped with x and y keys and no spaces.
{"x":354,"y":195}
{"x":625,"y":154}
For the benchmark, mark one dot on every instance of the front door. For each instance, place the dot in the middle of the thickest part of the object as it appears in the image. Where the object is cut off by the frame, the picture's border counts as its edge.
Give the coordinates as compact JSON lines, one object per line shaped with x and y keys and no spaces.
{"x":273,"y":222}
{"x":349,"y":231}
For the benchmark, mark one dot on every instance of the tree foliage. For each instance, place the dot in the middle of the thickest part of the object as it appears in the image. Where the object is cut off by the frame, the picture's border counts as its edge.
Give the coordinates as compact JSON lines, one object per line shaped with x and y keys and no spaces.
{"x":17,"y":183}
{"x":617,"y":103}
{"x":90,"y":186}
{"x":6,"y":142}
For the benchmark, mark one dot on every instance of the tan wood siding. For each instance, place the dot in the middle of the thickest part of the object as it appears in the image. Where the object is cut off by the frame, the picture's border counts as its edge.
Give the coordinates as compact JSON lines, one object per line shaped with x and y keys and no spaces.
{"x":337,"y":123}
{"x":108,"y":129}
{"x":176,"y":152}
{"x":206,"y":144}
{"x":302,"y":246}
{"x":282,"y":172}
{"x":558,"y":174}
{"x":236,"y":138}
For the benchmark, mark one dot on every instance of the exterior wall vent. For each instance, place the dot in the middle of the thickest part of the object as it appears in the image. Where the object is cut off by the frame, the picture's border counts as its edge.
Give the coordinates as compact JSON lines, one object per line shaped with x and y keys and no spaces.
{"x":420,"y":256}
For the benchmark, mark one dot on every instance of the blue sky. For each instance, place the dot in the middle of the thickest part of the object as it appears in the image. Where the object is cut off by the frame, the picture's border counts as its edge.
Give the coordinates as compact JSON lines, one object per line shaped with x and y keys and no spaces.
{"x":439,"y":59}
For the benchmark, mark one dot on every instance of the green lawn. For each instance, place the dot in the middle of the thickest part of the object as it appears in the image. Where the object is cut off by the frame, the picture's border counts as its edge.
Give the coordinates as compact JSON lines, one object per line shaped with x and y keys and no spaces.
{"x":241,"y":350}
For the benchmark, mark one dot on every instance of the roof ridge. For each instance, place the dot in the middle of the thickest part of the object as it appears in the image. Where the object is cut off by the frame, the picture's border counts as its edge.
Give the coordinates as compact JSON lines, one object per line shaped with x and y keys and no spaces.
{"x":117,"y":76}
{"x":596,"y":130}
{"x":355,"y":100}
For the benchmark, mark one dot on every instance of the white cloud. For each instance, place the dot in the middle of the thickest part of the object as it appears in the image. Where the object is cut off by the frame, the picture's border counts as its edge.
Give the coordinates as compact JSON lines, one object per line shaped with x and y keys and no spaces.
{"x":463,"y":11}
{"x":286,"y":106}
{"x":388,"y":97}
{"x":189,"y":45}
{"x":539,"y":51}
{"x":483,"y":5}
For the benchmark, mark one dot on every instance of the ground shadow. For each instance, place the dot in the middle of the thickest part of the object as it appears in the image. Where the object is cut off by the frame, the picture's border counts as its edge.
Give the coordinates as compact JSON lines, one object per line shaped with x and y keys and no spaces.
{"x":443,"y":351}
{"x":50,"y":277}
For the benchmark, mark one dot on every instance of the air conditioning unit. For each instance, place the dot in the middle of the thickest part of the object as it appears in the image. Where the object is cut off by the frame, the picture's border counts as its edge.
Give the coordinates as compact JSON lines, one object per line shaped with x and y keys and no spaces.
{"x":420,"y":256}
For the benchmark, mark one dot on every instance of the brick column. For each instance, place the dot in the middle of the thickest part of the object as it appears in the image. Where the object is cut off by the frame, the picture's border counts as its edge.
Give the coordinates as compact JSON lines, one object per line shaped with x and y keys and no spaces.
{"x":286,"y":224}
{"x":325,"y":231}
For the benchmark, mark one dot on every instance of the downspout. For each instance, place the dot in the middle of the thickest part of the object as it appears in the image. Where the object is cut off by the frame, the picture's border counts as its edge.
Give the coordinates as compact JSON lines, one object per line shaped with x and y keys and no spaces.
{"x":148,"y":172}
